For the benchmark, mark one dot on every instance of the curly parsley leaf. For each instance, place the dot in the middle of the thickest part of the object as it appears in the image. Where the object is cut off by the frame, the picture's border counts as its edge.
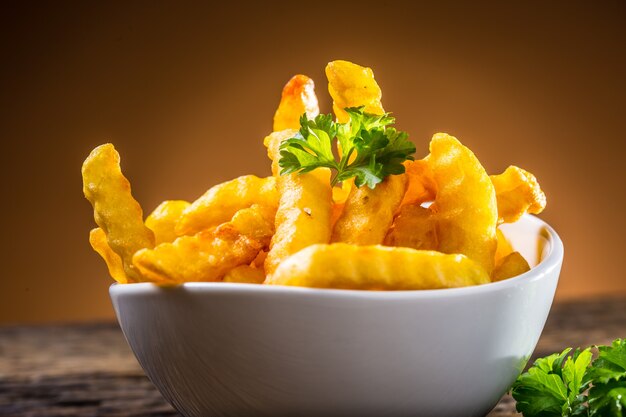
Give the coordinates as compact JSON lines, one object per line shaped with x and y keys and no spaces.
{"x":370,"y":149}
{"x":553,"y":386}
{"x":607,"y":396}
{"x":564,"y":385}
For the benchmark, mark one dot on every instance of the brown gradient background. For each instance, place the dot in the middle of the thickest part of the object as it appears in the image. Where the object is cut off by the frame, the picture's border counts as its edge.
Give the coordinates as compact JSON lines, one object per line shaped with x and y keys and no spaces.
{"x":187,"y":91}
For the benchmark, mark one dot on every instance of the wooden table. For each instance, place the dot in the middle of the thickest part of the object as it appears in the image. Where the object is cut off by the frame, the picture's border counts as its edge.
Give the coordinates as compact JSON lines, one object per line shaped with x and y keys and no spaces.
{"x":88,"y":370}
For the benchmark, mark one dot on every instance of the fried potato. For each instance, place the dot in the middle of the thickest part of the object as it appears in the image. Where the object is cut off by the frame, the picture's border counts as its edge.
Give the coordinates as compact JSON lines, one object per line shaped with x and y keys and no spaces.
{"x":304,"y":209}
{"x":503,"y":247}
{"x":162,"y":221}
{"x":116,"y":212}
{"x":303,"y":215}
{"x":346,"y":266}
{"x":465,"y":207}
{"x":421,"y":187}
{"x":298,"y":97}
{"x":98,"y":241}
{"x":222,"y":201}
{"x":413,"y":227}
{"x":210,"y":254}
{"x":245,"y":274}
{"x":368,"y":213}
{"x":517,"y":192}
{"x":259,"y":261}
{"x":351,"y":85}
{"x":510,"y":266}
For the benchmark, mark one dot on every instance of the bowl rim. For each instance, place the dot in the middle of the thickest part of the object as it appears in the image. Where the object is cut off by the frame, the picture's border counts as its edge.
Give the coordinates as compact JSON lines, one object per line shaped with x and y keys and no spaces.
{"x":541,"y":271}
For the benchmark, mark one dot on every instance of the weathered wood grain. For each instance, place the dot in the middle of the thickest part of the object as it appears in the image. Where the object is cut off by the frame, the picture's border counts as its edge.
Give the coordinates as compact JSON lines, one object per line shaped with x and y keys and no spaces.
{"x":88,"y":370}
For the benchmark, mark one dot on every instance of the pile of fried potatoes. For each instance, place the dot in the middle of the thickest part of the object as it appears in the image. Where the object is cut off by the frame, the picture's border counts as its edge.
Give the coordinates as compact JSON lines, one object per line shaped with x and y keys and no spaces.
{"x":434,"y":226}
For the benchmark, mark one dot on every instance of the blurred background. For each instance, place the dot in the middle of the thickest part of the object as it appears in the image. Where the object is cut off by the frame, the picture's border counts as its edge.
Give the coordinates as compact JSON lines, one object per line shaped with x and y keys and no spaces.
{"x":186,"y":92}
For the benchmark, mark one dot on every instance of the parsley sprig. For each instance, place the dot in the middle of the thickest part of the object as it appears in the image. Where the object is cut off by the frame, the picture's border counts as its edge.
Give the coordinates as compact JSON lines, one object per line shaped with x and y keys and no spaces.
{"x":370,"y":148}
{"x":564,"y":385}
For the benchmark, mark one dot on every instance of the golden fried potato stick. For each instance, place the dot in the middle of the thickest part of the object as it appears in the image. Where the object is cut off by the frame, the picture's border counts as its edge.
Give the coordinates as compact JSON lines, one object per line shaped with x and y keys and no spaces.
{"x":162,"y":221}
{"x":413,"y":227}
{"x":518,"y":192}
{"x":98,"y":241}
{"x":209,"y":254}
{"x":465,"y":207}
{"x":351,"y":85}
{"x":304,"y":209}
{"x":222,"y":201}
{"x":115,"y":210}
{"x":510,"y":266}
{"x":245,"y":274}
{"x":422,"y":186}
{"x":368,"y":213}
{"x":345,"y":266}
{"x":298,"y":97}
{"x":503,"y":247}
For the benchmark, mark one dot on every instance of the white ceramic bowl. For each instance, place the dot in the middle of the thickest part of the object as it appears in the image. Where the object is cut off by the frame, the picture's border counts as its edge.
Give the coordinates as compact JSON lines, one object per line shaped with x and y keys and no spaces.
{"x":217,"y":349}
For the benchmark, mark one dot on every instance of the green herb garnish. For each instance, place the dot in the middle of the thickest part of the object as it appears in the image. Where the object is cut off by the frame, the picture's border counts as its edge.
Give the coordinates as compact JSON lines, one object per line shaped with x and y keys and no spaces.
{"x":370,"y":149}
{"x":564,"y":385}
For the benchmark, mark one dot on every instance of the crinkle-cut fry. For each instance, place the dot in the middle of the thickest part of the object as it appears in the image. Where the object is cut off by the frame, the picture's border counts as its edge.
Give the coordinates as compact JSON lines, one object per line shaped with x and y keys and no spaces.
{"x":517,"y":192}
{"x":510,"y":266}
{"x":298,"y":97}
{"x":368,"y":213}
{"x":413,"y":227}
{"x":351,"y":85}
{"x":210,"y":254}
{"x":98,"y":241}
{"x":303,"y":215}
{"x":222,"y":201}
{"x":503,"y":248}
{"x":245,"y":274}
{"x":115,"y":210}
{"x":465,"y":205}
{"x":345,"y":266}
{"x":422,"y":187}
{"x":163,"y":220}
{"x":304,"y":209}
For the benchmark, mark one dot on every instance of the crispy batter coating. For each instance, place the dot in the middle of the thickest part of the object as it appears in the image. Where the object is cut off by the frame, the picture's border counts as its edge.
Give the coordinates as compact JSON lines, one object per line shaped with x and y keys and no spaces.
{"x":413,"y":227}
{"x":345,"y":266}
{"x":351,"y":85}
{"x":298,"y":97}
{"x":222,"y":201}
{"x":465,"y":206}
{"x":162,"y":221}
{"x":518,"y":192}
{"x":510,"y":266}
{"x":98,"y":241}
{"x":210,"y":254}
{"x":116,"y":212}
{"x":368,"y":213}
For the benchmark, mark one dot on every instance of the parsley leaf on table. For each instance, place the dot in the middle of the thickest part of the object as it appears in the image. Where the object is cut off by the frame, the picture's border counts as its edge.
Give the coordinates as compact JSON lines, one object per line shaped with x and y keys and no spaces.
{"x":370,"y":149}
{"x":564,"y":385}
{"x":607,"y":396}
{"x":553,"y":385}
